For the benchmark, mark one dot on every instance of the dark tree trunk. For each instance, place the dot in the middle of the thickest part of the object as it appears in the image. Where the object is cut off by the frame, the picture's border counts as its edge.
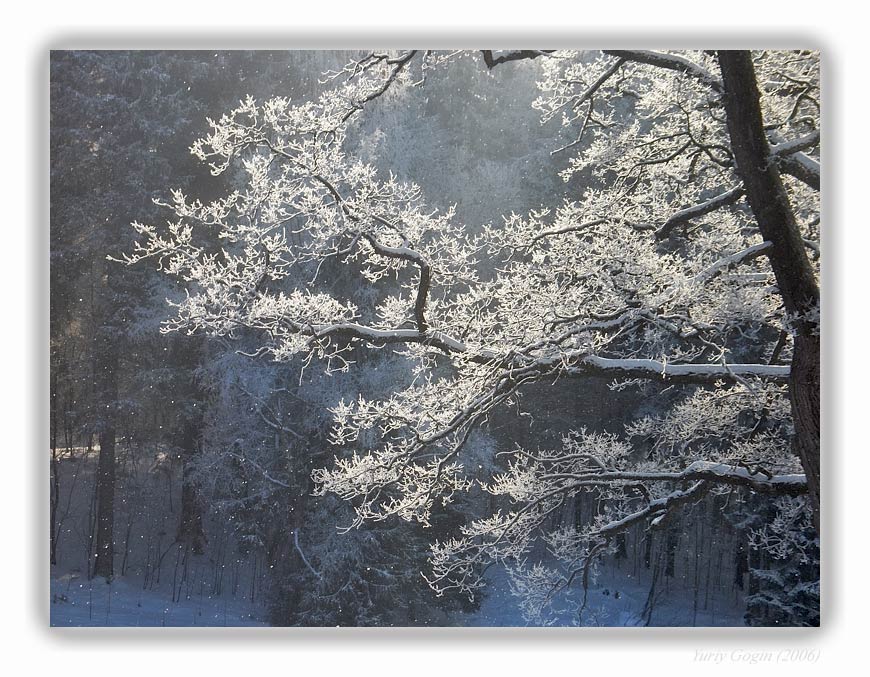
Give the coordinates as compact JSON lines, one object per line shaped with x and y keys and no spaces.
{"x":104,"y":358}
{"x":190,"y":530}
{"x":186,"y":355}
{"x":55,"y":469}
{"x":647,"y":550}
{"x":672,"y":540}
{"x":621,"y":549}
{"x":805,"y":382}
{"x":740,"y":564}
{"x":794,"y":275}
{"x":106,"y":364}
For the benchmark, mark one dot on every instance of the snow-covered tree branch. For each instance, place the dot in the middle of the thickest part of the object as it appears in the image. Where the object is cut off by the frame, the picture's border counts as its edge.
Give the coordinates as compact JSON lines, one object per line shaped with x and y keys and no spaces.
{"x":663,"y":272}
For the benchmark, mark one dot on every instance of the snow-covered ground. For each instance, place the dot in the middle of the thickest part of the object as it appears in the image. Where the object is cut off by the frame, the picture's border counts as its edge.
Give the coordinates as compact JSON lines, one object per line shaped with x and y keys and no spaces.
{"x":76,"y":601}
{"x":213,"y":589}
{"x":158,"y":585}
{"x":615,"y":601}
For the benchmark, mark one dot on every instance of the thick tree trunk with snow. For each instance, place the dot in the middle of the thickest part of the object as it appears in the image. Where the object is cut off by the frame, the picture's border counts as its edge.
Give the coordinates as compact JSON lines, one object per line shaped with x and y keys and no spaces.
{"x":794,"y":275}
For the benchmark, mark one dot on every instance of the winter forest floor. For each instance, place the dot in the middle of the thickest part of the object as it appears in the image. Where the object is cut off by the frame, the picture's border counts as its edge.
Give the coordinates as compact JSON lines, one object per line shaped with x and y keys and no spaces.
{"x":160,"y":583}
{"x":613,"y":601}
{"x":157,"y":582}
{"x":78,"y":602}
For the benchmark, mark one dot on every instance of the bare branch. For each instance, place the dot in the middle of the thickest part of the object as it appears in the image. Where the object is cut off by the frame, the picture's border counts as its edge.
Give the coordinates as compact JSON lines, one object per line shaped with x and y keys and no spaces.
{"x":671,"y":62}
{"x":786,"y":148}
{"x":707,"y":471}
{"x":658,"y":507}
{"x":398,"y":64}
{"x":803,"y":168}
{"x":726,"y":262}
{"x":680,"y":373}
{"x":684,"y":215}
{"x":512,"y":56}
{"x":792,"y":161}
{"x":566,"y":229}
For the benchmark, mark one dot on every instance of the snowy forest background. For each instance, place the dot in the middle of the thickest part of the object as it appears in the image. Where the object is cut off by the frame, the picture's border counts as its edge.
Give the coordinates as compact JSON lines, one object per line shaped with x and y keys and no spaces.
{"x":517,"y":441}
